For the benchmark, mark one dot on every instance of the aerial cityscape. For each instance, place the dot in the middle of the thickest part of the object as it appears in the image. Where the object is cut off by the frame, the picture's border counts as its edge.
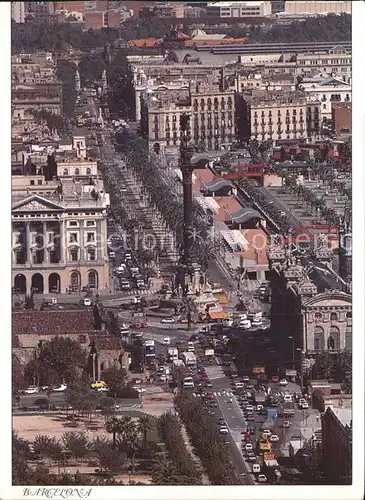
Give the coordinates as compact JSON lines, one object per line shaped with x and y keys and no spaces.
{"x":181,"y":214}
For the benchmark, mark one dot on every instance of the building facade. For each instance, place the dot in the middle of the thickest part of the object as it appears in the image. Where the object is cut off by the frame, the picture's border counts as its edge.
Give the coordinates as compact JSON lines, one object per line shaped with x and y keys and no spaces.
{"x":18,"y":12}
{"x":341,"y":118}
{"x":337,"y":445}
{"x":238,"y":9}
{"x":59,"y":239}
{"x":212,"y":112}
{"x":316,"y":7}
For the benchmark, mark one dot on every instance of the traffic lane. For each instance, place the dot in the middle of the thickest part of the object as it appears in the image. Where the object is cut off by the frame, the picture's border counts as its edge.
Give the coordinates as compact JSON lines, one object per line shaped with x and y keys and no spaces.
{"x":30,"y":399}
{"x":234,"y":451}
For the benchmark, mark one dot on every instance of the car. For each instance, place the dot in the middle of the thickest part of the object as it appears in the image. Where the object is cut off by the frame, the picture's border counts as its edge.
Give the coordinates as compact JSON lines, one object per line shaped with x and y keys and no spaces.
{"x":87,"y":302}
{"x":31,"y":390}
{"x":239,"y":385}
{"x":250,"y":418}
{"x":288,"y":398}
{"x":166,"y":341}
{"x":168,"y":320}
{"x":213,"y":404}
{"x":245,"y":378}
{"x":223,"y":430}
{"x":208,"y":384}
{"x":245,"y":324}
{"x":251,"y":457}
{"x":274,"y":438}
{"x":256,"y":322}
{"x":275,"y":379}
{"x":286,"y":424}
{"x":283,"y":382}
{"x":248,"y":447}
{"x":261,"y":478}
{"x":60,"y":388}
{"x":304,"y":406}
{"x":98,"y":384}
{"x":210,"y":395}
{"x":222,"y":422}
{"x":103,"y":389}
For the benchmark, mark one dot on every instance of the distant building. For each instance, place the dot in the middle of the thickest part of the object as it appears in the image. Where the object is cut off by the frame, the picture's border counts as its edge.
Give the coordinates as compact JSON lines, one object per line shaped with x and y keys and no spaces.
{"x":238,"y":9}
{"x":337,"y":445}
{"x":277,"y":6}
{"x":317,"y":7}
{"x":18,"y":12}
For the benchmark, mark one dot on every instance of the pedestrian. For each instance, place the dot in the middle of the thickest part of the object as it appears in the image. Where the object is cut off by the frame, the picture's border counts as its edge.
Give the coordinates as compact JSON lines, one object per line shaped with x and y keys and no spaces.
{"x":317,"y":417}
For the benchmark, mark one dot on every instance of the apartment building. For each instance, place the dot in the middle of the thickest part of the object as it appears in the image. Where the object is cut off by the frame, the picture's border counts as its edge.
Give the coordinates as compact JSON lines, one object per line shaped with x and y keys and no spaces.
{"x":238,"y":9}
{"x":212,"y":116}
{"x":328,"y":91}
{"x":272,"y":115}
{"x":335,"y":62}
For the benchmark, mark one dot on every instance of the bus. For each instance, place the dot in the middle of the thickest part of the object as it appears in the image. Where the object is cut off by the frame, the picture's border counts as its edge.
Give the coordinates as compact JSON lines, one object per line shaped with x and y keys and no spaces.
{"x":149,"y":350}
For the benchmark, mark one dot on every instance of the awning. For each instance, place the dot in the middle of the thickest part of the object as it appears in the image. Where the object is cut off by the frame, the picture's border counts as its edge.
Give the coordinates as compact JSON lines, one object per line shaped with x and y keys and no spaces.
{"x":220,"y":315}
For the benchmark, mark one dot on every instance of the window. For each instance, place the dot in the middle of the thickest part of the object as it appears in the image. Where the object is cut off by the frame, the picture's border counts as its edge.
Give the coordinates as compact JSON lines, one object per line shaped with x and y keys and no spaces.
{"x":90,"y":223}
{"x":73,"y":223}
{"x":91,"y":254}
{"x":82,"y":339}
{"x":318,"y":339}
{"x":333,"y":317}
{"x":90,"y":237}
{"x":39,"y":182}
{"x":348,"y":338}
{"x":73,"y":237}
{"x":65,"y":171}
{"x":318,"y":316}
{"x":92,"y":279}
{"x":349,"y":315}
{"x":334,"y":338}
{"x":32,"y":183}
{"x":74,"y":253}
{"x":88,"y":171}
{"x":77,"y":171}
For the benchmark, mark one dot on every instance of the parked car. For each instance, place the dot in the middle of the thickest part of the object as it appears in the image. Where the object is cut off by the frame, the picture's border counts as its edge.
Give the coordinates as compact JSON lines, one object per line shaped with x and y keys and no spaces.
{"x":248,"y":447}
{"x":223,"y":430}
{"x":32,"y":390}
{"x":60,"y":388}
{"x":213,"y":404}
{"x":168,"y":320}
{"x":261,"y":478}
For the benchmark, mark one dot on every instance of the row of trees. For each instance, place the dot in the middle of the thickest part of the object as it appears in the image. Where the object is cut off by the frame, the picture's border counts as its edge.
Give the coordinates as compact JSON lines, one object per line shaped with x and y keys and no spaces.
{"x":181,"y":462}
{"x":206,"y":440}
{"x":336,"y":367}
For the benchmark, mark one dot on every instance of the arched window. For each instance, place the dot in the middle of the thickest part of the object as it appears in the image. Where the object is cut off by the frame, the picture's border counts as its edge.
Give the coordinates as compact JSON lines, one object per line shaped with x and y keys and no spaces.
{"x":334,"y":338}
{"x":318,"y":339}
{"x":65,"y":171}
{"x":77,"y":171}
{"x":348,"y":338}
{"x":75,"y":280}
{"x":333,"y":317}
{"x":88,"y":171}
{"x":349,"y":315}
{"x":92,"y":279}
{"x":318,"y":316}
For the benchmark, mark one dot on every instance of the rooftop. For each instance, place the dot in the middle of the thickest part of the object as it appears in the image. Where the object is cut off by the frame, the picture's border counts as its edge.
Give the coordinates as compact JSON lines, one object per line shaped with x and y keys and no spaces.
{"x":52,"y":322}
{"x":344,"y":415}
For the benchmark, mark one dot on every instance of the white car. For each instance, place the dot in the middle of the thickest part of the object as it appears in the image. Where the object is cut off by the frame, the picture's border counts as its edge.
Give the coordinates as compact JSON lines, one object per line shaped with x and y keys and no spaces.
{"x":304,"y":406}
{"x":274,"y":438}
{"x":31,"y":390}
{"x":60,"y":388}
{"x":257,"y":322}
{"x":245,"y":324}
{"x":166,"y":341}
{"x":103,"y":389}
{"x":168,"y":320}
{"x":288,"y":398}
{"x":223,"y":430}
{"x":248,"y":447}
{"x":140,"y":390}
{"x":245,"y":378}
{"x":87,"y":302}
{"x":283,"y":382}
{"x":262,"y":478}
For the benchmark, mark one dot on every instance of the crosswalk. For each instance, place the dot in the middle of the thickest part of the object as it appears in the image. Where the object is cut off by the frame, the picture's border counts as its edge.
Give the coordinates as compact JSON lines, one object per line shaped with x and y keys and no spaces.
{"x":215,"y":394}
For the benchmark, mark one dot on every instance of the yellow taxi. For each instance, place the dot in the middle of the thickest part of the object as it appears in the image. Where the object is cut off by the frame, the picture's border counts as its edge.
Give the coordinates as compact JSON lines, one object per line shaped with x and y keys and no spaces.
{"x":98,"y":384}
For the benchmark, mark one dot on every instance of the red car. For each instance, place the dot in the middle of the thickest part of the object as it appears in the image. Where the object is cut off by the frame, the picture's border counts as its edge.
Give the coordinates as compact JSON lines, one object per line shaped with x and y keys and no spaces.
{"x":210,"y":395}
{"x":275,"y":378}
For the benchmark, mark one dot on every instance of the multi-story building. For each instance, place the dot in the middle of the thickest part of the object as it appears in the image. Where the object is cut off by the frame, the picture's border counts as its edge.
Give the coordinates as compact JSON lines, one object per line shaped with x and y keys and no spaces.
{"x":40,"y":13}
{"x":337,"y":445}
{"x":336,"y":62}
{"x":59,"y":236}
{"x":212,"y":111}
{"x":47,"y":96}
{"x":327,"y":92}
{"x":18,"y":12}
{"x":169,"y":10}
{"x":274,"y":116}
{"x":317,"y":7}
{"x":238,"y":9}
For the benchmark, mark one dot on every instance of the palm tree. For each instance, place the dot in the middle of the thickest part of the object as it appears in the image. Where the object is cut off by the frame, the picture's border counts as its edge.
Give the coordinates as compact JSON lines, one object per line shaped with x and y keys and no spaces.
{"x":166,"y":473}
{"x":113,"y":426}
{"x":133,"y":444}
{"x":144,"y":425}
{"x":189,"y":307}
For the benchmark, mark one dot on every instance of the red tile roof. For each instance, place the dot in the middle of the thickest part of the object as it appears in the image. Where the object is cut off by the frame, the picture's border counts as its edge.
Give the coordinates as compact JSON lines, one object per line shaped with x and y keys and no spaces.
{"x":52,"y":322}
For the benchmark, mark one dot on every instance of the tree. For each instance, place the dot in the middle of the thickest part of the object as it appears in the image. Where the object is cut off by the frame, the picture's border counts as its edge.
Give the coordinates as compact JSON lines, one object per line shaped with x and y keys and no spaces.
{"x":61,"y":358}
{"x":46,"y":446}
{"x":110,"y":459}
{"x":113,"y":426}
{"x":18,"y":380}
{"x":144,"y":425}
{"x":165,"y":472}
{"x":115,"y":379}
{"x":20,"y":453}
{"x":76,"y":443}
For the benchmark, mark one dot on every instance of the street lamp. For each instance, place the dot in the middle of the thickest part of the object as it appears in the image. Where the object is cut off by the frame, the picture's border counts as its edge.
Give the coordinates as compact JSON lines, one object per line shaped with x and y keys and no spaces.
{"x":293,"y":351}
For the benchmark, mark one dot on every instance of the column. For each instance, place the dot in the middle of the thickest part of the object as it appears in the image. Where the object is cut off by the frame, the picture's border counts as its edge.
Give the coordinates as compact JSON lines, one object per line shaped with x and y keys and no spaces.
{"x":45,"y":244}
{"x":82,"y":242}
{"x":62,"y":241}
{"x":27,"y":243}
